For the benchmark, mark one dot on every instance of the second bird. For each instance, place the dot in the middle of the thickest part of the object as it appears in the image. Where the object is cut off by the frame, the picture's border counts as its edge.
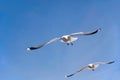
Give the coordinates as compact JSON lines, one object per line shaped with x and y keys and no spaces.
{"x":91,"y":66}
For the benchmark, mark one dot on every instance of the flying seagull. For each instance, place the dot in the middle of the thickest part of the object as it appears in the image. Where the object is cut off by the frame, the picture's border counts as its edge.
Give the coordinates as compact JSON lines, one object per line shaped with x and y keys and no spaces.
{"x":68,"y":39}
{"x":91,"y":66}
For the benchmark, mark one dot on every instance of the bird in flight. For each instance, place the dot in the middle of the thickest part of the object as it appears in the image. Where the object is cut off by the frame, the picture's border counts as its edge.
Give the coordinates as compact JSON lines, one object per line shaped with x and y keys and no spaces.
{"x":68,"y":39}
{"x":91,"y":66}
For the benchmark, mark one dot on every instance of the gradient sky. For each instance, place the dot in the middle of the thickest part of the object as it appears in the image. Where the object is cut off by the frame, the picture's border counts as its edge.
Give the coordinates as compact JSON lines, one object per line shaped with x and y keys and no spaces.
{"x":25,"y":23}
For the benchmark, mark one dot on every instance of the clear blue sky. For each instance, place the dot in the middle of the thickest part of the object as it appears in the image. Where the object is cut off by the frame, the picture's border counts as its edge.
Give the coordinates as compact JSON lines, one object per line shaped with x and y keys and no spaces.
{"x":25,"y":23}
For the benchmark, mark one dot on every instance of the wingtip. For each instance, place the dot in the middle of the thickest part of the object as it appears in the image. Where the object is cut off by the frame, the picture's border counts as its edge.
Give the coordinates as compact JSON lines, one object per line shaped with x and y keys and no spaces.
{"x":65,"y":76}
{"x":32,"y":48}
{"x":111,"y":62}
{"x":69,"y":75}
{"x":99,"y":29}
{"x":28,"y":49}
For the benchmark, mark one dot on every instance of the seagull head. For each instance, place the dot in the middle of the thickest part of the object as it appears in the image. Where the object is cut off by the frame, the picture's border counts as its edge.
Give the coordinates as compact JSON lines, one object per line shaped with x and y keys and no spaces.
{"x":90,"y":65}
{"x":65,"y":36}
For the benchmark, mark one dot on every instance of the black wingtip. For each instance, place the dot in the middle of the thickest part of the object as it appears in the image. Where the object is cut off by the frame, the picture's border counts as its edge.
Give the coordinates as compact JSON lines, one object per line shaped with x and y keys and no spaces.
{"x":99,"y":29}
{"x":111,"y":62}
{"x":69,"y":75}
{"x":93,"y":32}
{"x":31,"y":48}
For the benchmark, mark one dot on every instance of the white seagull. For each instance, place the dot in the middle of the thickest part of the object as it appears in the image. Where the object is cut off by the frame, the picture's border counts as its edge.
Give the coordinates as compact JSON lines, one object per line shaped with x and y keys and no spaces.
{"x":91,"y":66}
{"x":68,"y":39}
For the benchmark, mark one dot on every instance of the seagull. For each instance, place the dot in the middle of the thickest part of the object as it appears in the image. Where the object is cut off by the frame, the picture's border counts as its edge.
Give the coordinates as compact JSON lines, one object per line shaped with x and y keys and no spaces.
{"x":68,"y":39}
{"x":91,"y":66}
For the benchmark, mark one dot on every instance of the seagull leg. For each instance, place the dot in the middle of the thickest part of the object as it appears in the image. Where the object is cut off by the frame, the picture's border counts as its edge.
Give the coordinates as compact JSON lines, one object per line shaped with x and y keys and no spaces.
{"x":68,"y":44}
{"x":93,"y":70}
{"x":71,"y":43}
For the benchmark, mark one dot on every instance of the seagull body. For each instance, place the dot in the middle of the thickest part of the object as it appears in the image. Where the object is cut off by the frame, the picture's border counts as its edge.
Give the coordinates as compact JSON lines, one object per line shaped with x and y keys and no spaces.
{"x":68,"y":39}
{"x":91,"y":66}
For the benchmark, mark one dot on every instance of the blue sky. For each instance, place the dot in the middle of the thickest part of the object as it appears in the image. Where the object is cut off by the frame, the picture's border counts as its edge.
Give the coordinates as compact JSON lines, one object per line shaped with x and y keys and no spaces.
{"x":25,"y":23}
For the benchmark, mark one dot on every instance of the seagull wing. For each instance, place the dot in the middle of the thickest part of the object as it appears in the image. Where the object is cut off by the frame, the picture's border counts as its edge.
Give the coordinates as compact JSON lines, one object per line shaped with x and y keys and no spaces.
{"x":83,"y":68}
{"x":85,"y":33}
{"x":105,"y":62}
{"x":46,"y":43}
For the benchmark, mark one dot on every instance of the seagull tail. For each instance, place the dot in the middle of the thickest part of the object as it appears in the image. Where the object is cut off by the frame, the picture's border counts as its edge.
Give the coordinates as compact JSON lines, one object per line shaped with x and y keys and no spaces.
{"x":73,"y":39}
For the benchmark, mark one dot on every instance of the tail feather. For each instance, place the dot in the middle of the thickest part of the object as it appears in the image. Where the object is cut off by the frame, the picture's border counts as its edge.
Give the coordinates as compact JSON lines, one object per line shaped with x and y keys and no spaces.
{"x":73,"y":39}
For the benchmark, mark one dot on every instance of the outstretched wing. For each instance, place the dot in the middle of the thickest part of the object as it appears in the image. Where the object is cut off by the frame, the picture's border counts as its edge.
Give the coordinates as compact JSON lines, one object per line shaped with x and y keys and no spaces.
{"x":77,"y":71}
{"x":85,"y":33}
{"x":105,"y":62}
{"x":46,"y":43}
